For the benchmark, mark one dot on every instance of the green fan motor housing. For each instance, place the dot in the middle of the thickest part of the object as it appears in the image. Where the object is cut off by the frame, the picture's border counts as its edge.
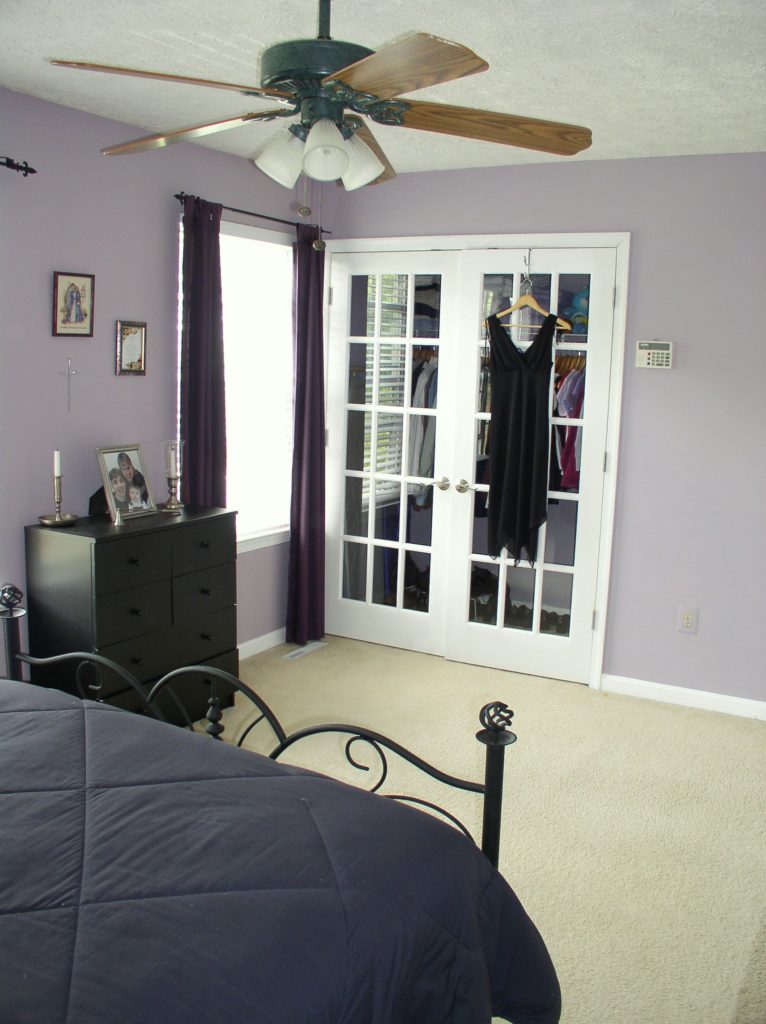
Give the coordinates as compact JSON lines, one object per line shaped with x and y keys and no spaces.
{"x":299,"y":64}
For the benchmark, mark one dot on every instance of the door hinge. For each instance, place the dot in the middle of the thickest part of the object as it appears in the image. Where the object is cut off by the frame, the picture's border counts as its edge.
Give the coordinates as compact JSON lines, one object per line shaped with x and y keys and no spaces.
{"x":593,"y":621}
{"x":614,"y":296}
{"x":604,"y":466}
{"x":327,"y":438}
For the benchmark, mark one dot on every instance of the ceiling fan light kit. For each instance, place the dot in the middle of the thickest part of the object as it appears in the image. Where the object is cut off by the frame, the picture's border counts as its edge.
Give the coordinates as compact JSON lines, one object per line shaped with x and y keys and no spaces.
{"x":325,"y":157}
{"x":282,"y":159}
{"x":363,"y":166}
{"x":324,"y":83}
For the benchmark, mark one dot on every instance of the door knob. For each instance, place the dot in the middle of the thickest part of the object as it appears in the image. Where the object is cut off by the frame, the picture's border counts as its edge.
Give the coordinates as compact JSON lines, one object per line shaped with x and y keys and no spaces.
{"x":442,"y":484}
{"x":462,"y":486}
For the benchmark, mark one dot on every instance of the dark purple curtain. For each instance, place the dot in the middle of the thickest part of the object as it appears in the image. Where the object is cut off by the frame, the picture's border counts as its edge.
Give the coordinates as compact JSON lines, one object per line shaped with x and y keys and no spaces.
{"x":305,"y":588}
{"x":203,"y":405}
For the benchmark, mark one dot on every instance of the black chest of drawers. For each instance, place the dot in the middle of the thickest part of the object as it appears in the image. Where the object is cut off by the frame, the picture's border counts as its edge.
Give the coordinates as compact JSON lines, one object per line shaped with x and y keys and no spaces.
{"x":154,"y":594}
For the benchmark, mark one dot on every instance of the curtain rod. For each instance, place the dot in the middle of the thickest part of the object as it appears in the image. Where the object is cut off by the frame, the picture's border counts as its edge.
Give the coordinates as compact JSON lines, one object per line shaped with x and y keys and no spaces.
{"x":180,"y":196}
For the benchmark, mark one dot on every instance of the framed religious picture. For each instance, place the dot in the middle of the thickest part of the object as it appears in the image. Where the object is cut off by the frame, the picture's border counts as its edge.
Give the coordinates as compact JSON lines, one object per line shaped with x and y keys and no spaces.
{"x":131,"y":348}
{"x":126,"y":484}
{"x":73,"y":304}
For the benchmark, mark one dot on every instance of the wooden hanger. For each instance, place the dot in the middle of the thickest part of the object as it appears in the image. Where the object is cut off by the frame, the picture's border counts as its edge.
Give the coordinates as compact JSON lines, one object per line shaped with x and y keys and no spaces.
{"x":565,"y":363}
{"x":528,"y":299}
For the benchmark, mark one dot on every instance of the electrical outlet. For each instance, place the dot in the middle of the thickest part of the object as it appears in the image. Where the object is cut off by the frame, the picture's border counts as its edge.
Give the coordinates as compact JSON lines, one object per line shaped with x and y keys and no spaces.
{"x":688,"y":619}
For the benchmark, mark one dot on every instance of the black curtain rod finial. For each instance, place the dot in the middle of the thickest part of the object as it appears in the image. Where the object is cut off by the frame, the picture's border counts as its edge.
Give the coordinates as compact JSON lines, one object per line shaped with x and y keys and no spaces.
{"x":23,"y":168}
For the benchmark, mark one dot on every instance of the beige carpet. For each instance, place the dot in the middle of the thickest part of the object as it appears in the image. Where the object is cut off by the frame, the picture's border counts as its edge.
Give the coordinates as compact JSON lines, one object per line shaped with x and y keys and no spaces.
{"x":634,"y":832}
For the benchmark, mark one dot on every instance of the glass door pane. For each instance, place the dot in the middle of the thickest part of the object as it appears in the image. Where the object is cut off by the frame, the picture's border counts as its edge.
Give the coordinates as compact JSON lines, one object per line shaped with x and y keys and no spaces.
{"x":391,"y":401}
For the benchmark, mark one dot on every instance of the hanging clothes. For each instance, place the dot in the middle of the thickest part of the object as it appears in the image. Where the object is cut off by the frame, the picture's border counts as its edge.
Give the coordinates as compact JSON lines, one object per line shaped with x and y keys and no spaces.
{"x":570,"y":455}
{"x":518,"y":453}
{"x":569,"y":405}
{"x":422,"y":428}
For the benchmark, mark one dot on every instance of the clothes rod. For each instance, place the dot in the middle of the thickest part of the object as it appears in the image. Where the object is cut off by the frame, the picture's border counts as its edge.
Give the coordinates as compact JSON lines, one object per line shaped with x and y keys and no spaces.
{"x":180,"y":196}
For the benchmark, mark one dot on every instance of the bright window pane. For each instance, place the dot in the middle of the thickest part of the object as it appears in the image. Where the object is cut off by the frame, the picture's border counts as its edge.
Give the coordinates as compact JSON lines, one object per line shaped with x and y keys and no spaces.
{"x":256,"y":278}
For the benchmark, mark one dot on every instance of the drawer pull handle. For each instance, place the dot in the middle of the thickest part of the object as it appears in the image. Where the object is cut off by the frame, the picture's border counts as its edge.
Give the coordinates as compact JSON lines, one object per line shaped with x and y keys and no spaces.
{"x":205,"y":591}
{"x":205,"y":544}
{"x":134,"y":561}
{"x":136,"y":612}
{"x":206,"y":636}
{"x":136,"y":661}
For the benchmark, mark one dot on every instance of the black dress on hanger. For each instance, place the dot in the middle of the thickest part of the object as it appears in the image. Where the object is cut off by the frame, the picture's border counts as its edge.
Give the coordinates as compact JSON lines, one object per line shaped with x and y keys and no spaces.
{"x":519,"y":439}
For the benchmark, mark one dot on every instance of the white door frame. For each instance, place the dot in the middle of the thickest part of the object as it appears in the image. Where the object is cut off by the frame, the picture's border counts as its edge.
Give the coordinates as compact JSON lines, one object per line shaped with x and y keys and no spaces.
{"x":620,"y":243}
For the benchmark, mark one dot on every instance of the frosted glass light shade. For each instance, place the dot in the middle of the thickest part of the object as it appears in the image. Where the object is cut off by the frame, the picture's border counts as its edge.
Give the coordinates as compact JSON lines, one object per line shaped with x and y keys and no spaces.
{"x":325,"y":156}
{"x":363,"y":165}
{"x":282,"y":159}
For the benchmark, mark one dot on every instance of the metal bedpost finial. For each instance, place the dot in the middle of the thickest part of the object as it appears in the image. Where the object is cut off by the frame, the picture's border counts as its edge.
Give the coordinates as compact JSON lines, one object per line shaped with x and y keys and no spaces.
{"x":214,"y":716}
{"x":496,"y":717}
{"x":11,"y":596}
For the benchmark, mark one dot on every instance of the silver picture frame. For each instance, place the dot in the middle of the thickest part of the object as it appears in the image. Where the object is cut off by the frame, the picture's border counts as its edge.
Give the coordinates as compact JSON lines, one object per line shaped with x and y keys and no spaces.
{"x":126,"y":482}
{"x":130,"y":349}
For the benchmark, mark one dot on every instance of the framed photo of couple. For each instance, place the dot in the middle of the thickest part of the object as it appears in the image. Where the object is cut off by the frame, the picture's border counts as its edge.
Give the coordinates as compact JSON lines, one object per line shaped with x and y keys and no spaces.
{"x":126,"y":483}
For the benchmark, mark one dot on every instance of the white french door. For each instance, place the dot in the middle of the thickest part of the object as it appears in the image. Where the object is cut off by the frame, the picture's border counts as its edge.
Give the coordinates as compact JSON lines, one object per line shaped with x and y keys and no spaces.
{"x":389,"y":441}
{"x":408,"y":436}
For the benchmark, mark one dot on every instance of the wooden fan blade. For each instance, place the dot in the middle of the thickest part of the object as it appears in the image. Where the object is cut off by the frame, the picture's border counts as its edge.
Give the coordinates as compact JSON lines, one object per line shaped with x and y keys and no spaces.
{"x":414,"y":62}
{"x":369,"y":139}
{"x":186,"y":134}
{"x":490,"y":126}
{"x":161,"y":76}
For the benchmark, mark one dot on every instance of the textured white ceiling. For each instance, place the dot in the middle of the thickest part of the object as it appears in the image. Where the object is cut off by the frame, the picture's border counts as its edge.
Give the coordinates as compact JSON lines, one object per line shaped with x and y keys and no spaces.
{"x":650,"y":79}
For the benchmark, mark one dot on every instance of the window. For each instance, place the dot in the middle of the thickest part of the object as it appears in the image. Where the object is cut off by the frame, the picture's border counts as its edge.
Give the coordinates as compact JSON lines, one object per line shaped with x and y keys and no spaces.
{"x":257,"y":281}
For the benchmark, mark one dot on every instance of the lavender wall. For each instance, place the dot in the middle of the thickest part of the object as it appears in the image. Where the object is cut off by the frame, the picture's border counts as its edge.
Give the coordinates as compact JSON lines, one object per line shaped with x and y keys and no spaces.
{"x":691,"y":485}
{"x":262,"y":592}
{"x":117,"y":218}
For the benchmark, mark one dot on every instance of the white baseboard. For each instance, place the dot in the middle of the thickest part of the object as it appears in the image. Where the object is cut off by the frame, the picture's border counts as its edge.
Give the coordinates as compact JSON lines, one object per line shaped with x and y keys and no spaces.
{"x":663,"y":692}
{"x":261,"y":643}
{"x":667,"y":694}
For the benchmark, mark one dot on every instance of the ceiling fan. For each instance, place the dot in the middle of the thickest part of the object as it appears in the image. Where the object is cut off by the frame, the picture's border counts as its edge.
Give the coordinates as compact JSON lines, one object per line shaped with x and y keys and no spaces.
{"x":329,"y":86}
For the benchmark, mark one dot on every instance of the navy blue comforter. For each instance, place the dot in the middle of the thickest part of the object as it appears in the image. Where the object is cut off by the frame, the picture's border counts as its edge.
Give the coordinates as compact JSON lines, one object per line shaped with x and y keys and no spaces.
{"x":153,"y":876}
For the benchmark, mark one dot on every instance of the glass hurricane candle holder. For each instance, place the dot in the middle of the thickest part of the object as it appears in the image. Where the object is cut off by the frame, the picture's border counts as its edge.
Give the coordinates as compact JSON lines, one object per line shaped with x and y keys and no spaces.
{"x":172,"y":455}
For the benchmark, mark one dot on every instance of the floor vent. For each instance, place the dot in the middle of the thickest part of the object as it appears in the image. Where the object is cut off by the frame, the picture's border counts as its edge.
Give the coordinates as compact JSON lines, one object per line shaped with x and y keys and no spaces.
{"x":306,"y":649}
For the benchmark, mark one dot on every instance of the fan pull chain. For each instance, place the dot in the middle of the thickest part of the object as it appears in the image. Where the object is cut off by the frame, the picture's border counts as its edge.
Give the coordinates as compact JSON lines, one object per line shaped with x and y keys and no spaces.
{"x":305,"y":210}
{"x":320,"y":245}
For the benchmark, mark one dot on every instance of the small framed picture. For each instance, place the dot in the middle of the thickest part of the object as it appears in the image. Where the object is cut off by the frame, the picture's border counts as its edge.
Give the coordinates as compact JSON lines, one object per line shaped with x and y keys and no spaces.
{"x":126,"y":484}
{"x":73,"y":304}
{"x":131,"y":347}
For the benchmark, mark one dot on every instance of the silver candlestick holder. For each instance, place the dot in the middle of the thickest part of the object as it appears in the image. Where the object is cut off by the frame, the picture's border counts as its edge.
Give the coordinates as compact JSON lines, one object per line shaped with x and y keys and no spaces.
{"x":172,"y":451}
{"x":59,"y":518}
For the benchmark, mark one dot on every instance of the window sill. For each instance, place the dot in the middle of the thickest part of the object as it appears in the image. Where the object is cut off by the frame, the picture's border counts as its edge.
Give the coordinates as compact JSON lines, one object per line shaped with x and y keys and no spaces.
{"x":267,"y":539}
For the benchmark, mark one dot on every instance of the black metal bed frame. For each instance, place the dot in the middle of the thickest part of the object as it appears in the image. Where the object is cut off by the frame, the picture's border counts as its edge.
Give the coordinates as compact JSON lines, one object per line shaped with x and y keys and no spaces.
{"x":495,"y":734}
